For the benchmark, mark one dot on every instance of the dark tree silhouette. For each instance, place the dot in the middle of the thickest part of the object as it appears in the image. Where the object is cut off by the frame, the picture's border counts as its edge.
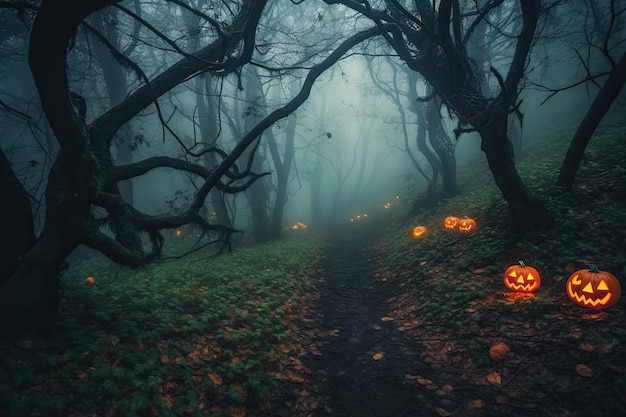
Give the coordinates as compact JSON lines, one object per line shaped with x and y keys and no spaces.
{"x":84,"y":177}
{"x":432,"y":40}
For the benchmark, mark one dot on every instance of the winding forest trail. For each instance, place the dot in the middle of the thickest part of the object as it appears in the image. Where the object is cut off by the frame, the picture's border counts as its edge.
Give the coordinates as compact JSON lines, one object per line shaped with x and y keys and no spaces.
{"x":364,"y":363}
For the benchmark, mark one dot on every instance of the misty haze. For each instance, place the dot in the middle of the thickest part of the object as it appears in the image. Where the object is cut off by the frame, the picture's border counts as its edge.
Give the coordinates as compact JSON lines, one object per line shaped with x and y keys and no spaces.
{"x":309,"y":208}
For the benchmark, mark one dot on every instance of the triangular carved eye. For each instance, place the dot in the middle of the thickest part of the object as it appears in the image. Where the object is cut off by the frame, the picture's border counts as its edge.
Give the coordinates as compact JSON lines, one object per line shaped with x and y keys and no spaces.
{"x":530,"y":277}
{"x":603,"y":286}
{"x":513,"y":274}
{"x":588,"y":288}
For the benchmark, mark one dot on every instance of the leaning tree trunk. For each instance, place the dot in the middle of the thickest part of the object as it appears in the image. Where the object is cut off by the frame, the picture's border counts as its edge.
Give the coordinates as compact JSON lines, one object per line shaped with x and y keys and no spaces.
{"x":283,"y":168}
{"x":444,"y":149}
{"x":29,"y":300}
{"x":600,"y":106}
{"x":527,"y":211}
{"x":17,"y":234}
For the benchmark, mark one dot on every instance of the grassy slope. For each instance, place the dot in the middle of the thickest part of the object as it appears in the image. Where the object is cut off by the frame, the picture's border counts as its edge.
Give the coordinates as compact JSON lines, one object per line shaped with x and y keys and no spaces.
{"x":453,"y":285}
{"x":199,"y":335}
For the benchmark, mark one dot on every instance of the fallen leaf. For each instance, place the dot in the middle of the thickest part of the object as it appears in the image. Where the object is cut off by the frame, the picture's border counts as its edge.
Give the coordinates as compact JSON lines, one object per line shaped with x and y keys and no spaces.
{"x":167,"y":399}
{"x":215,"y":409}
{"x":443,"y":412}
{"x":499,"y":351}
{"x":165,"y":359}
{"x":588,"y":347}
{"x":386,"y":318}
{"x":237,"y":411}
{"x":334,"y":332}
{"x":583,"y":370}
{"x":376,"y":327}
{"x":478,"y":403}
{"x":445,"y":390}
{"x":216,"y":379}
{"x":494,"y":379}
{"x":293,"y":376}
{"x":378,"y":356}
{"x":423,"y":381}
{"x":81,"y":375}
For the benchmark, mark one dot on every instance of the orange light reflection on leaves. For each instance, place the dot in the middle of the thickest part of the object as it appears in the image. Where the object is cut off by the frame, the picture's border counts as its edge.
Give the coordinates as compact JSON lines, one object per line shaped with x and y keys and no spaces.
{"x":514,"y":297}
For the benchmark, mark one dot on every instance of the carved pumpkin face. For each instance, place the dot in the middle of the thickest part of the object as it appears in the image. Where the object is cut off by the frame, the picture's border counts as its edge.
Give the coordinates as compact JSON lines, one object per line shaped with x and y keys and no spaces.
{"x":419,"y":231}
{"x":522,"y":278}
{"x":593,"y":288}
{"x":465,"y":225}
{"x":451,"y":222}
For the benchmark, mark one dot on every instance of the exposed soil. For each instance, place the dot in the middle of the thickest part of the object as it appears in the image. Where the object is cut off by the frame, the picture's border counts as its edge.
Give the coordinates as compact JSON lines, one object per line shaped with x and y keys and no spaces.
{"x":359,"y":364}
{"x":364,"y":359}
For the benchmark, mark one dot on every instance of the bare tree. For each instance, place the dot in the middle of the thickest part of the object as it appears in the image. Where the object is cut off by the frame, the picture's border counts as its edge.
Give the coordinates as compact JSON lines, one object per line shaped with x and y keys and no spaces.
{"x":432,"y":38}
{"x":603,"y":25}
{"x":82,"y":192}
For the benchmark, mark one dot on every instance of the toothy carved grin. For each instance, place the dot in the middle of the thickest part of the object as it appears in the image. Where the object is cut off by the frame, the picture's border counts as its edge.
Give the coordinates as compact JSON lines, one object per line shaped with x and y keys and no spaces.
{"x":582,"y":298}
{"x":522,"y":287}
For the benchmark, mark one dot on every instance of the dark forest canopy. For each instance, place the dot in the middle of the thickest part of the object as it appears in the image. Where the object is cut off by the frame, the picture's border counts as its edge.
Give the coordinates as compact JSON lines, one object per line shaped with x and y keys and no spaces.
{"x":103,"y":100}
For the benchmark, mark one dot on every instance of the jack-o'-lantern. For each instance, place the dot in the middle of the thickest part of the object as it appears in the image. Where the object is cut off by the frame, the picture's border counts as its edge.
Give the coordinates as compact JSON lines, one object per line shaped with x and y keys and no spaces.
{"x":522,"y":278}
{"x":593,"y":288}
{"x":451,"y":222}
{"x":90,"y":280}
{"x":466,"y":224}
{"x":419,"y":231}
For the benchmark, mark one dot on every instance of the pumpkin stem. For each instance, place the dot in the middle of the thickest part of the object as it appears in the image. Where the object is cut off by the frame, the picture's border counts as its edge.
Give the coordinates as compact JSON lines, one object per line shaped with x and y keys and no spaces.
{"x":593,"y":268}
{"x":522,"y":264}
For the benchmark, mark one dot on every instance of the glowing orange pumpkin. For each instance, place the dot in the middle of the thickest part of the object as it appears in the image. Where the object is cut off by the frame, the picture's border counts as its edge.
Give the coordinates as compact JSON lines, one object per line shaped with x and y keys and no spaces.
{"x":522,"y":278}
{"x":451,"y":222}
{"x":466,"y":224}
{"x":90,"y":280}
{"x":419,"y":231}
{"x":593,"y":288}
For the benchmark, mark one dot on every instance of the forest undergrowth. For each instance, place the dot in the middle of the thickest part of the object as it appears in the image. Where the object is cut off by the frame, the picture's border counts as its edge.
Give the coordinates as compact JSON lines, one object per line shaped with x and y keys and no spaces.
{"x":561,"y":359}
{"x":226,"y":335}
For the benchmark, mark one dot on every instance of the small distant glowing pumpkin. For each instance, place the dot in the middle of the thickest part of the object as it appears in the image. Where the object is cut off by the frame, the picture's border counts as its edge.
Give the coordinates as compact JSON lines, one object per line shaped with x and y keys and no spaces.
{"x":387,"y":205}
{"x":451,"y":222}
{"x":178,"y":233}
{"x":466,"y":224}
{"x":299,"y":225}
{"x":90,"y":280}
{"x":419,"y":231}
{"x":593,"y":288}
{"x":522,"y":278}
